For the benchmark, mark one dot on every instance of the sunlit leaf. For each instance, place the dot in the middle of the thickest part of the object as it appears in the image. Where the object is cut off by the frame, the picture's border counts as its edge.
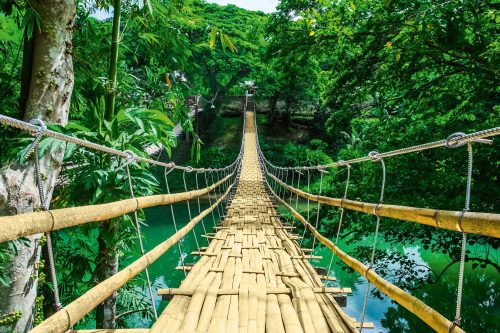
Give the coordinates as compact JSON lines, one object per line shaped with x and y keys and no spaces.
{"x":169,"y":83}
{"x":150,"y":6}
{"x":213,"y":35}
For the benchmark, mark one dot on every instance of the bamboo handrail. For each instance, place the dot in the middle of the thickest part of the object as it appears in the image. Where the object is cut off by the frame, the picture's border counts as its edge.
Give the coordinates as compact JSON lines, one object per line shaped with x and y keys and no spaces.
{"x":63,"y":319}
{"x":427,"y":314}
{"x":15,"y":226}
{"x":485,"y":224}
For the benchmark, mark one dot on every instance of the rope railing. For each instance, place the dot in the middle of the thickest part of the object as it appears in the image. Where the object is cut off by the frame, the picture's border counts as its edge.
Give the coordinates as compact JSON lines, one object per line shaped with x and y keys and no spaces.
{"x":430,"y":316}
{"x":40,"y":130}
{"x":484,"y":224}
{"x":15,"y":226}
{"x":46,"y":221}
{"x":453,"y":141}
{"x":69,"y":315}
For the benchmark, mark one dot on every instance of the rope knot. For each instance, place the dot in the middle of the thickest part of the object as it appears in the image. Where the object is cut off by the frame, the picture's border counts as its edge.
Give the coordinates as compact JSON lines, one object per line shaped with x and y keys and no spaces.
{"x":321,"y":169}
{"x":41,"y":129}
{"x":131,"y":156}
{"x":454,"y":323}
{"x":453,"y":141}
{"x":189,"y":169}
{"x":374,"y":156}
{"x":343,"y":163}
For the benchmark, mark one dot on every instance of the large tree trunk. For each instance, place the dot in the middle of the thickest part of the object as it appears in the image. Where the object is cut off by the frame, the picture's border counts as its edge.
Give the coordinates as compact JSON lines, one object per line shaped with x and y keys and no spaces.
{"x":49,"y":96}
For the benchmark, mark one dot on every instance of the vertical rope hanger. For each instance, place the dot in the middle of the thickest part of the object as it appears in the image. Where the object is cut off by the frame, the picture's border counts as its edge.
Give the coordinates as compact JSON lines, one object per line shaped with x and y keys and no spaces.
{"x":297,"y":195}
{"x":225,"y":186}
{"x":282,"y":178}
{"x":458,"y":317}
{"x":189,"y":209}
{"x":224,"y":189}
{"x":33,"y":148}
{"x":175,"y":224}
{"x":276,"y":174}
{"x":284,"y":189}
{"x":375,"y":156}
{"x":341,"y":219}
{"x":138,"y":230}
{"x":321,"y":171}
{"x":217,"y":195}
{"x":277,"y":189}
{"x":308,"y":206}
{"x":209,"y":199}
{"x":199,"y":207}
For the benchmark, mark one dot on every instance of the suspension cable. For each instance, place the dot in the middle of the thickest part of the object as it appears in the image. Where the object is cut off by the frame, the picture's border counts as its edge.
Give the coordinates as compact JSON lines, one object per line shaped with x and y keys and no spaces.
{"x":175,"y":224}
{"x":34,"y":128}
{"x":139,"y":237}
{"x":455,"y":140}
{"x":375,"y":156}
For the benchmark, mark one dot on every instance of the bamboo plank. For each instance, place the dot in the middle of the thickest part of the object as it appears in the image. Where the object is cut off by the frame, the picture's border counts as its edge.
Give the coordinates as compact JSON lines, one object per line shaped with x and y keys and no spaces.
{"x":430,"y":316}
{"x":63,"y":319}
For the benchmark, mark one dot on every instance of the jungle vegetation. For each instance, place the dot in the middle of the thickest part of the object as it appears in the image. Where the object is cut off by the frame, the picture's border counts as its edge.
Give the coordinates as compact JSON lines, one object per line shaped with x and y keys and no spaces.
{"x":359,"y":75}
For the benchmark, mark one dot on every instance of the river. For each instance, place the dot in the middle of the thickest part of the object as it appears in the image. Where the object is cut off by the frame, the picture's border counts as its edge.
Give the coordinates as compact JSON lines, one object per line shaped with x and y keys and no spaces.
{"x":481,"y":306}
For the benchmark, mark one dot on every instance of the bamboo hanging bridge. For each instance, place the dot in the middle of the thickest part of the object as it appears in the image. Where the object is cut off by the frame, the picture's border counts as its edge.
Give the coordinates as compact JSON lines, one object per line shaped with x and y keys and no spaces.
{"x":253,"y":276}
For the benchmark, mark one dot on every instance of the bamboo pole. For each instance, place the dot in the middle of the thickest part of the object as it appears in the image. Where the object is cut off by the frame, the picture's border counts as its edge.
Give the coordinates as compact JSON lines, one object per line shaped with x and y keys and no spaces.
{"x":123,"y":330}
{"x":485,"y":224}
{"x":103,"y":330}
{"x":63,"y":319}
{"x":428,"y":315}
{"x":15,"y":226}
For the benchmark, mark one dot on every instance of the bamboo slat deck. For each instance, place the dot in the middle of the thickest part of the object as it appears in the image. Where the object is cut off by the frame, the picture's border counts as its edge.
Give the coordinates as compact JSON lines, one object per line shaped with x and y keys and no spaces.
{"x":253,"y":277}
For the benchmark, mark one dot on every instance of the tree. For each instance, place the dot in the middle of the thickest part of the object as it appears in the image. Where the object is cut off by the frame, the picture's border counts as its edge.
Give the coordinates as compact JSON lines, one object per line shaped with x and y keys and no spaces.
{"x":49,"y":94}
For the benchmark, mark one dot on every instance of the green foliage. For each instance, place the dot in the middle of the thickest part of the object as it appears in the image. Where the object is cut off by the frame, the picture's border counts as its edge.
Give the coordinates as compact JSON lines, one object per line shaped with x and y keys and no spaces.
{"x":391,"y":74}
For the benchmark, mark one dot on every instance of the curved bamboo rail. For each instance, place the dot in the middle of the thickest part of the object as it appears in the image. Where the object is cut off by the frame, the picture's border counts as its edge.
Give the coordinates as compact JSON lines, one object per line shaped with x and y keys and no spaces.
{"x":16,"y":226}
{"x":63,"y":319}
{"x":484,"y":224}
{"x":427,"y":314}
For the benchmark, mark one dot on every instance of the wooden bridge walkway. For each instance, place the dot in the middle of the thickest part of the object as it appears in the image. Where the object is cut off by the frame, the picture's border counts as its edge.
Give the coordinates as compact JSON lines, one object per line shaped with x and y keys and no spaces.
{"x":253,"y":277}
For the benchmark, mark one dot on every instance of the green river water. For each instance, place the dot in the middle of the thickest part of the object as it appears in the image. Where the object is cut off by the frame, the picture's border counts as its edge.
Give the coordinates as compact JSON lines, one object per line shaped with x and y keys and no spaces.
{"x":481,"y":305}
